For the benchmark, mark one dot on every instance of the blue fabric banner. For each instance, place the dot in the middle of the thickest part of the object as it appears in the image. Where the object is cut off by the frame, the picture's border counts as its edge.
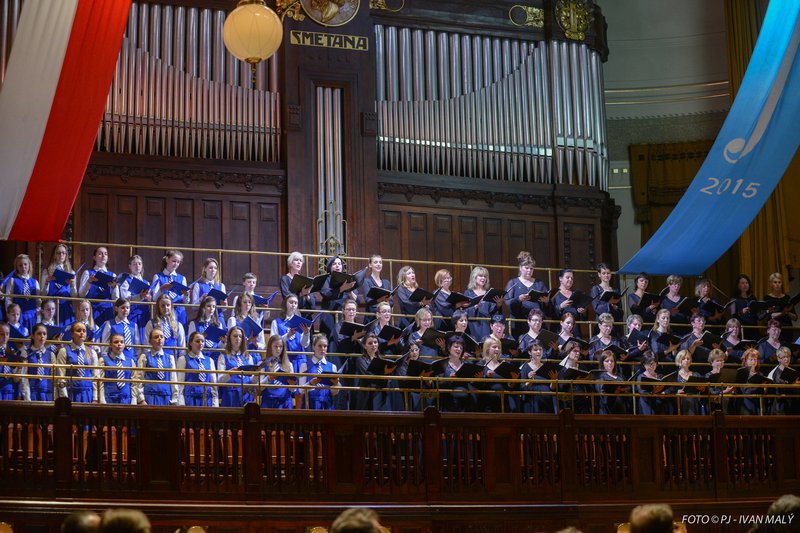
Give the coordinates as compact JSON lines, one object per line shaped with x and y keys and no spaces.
{"x":751,"y":153}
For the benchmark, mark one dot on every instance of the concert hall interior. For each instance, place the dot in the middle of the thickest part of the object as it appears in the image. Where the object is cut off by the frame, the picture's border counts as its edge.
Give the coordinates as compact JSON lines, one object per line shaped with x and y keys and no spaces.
{"x":280,"y":268}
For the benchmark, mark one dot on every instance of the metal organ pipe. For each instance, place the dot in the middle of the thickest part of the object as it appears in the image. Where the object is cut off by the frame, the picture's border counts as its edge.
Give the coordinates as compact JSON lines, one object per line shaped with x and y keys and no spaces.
{"x":447,"y":102}
{"x":177,"y":92}
{"x":338,"y":174}
{"x":545,"y":111}
{"x":168,"y":19}
{"x":9,"y":18}
{"x":330,"y":201}
{"x":582,"y":130}
{"x":380,"y":64}
{"x":491,"y":108}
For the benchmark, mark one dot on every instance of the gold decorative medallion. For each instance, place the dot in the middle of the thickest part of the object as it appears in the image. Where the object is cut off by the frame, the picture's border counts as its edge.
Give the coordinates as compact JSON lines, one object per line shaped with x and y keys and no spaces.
{"x":331,"y":12}
{"x":533,"y":16}
{"x":574,"y":17}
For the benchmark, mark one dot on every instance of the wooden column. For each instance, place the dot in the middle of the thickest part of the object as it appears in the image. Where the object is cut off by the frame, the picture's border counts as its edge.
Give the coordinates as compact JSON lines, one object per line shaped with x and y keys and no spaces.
{"x":318,"y":56}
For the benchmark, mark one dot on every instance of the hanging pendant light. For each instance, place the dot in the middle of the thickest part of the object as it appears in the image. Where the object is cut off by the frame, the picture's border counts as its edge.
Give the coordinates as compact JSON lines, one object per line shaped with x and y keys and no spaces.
{"x":252,"y":32}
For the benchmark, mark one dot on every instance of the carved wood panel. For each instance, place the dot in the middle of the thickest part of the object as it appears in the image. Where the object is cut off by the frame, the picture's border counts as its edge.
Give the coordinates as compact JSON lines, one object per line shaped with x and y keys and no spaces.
{"x":580,"y":246}
{"x":491,"y":223}
{"x":189,"y":213}
{"x":460,"y":237}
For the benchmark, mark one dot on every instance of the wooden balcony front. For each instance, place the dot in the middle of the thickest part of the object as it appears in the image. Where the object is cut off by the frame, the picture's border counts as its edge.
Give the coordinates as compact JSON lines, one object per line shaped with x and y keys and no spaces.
{"x":421,"y":470}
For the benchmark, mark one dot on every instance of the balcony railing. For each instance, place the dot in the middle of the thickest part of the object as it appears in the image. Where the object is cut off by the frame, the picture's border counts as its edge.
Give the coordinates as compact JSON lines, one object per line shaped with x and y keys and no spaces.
{"x":70,"y":450}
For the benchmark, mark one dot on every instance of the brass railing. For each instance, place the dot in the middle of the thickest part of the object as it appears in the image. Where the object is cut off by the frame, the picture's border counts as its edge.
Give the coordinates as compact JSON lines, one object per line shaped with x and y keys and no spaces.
{"x":430,"y":387}
{"x":312,"y":262}
{"x":309,"y":264}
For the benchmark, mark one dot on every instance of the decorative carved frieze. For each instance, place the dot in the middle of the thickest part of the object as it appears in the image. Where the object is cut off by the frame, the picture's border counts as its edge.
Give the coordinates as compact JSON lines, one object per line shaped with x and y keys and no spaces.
{"x":465,"y":196}
{"x":188,"y":177}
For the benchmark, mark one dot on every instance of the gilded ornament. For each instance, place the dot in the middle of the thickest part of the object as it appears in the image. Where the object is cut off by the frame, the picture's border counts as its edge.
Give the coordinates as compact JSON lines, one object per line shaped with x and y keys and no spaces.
{"x":574,"y":17}
{"x":331,"y":12}
{"x":293,"y":12}
{"x":381,"y":4}
{"x":534,"y":16}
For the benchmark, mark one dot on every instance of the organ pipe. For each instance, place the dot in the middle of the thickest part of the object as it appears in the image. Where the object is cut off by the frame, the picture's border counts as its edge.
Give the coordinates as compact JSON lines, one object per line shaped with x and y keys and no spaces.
{"x":489,"y":107}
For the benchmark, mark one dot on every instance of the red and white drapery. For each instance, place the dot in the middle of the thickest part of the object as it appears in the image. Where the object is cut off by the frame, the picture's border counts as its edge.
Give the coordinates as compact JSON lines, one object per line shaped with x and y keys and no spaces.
{"x":51,"y":102}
